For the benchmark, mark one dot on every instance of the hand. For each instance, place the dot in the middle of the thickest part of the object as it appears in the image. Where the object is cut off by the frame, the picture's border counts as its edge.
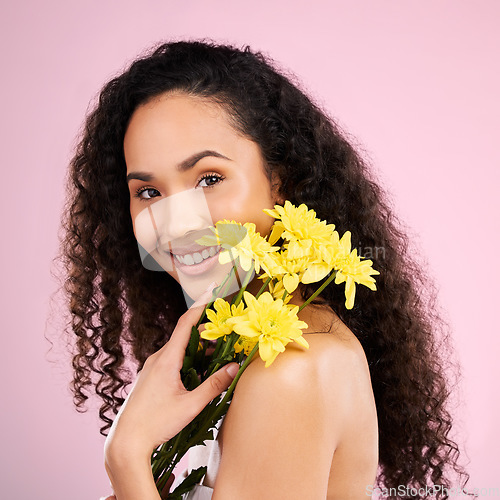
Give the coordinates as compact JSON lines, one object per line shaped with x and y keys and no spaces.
{"x":159,"y":406}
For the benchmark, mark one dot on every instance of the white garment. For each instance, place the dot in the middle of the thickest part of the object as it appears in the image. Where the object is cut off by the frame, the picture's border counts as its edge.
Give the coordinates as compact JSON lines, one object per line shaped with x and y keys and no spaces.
{"x":208,"y":455}
{"x":199,"y":492}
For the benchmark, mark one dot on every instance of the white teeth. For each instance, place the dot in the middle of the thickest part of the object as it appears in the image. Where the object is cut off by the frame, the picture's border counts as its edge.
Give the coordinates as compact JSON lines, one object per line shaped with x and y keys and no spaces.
{"x":190,"y":259}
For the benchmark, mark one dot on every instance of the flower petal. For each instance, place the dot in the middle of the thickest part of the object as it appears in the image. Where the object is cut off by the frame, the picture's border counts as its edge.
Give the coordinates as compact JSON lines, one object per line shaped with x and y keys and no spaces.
{"x":290,"y":282}
{"x":302,"y":341}
{"x":246,"y":329}
{"x":276,"y":232}
{"x":350,"y":291}
{"x":315,"y":272}
{"x":265,"y":350}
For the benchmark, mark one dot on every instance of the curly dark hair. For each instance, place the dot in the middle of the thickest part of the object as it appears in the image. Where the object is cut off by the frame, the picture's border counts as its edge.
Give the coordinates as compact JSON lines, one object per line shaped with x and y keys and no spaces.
{"x":120,"y":310}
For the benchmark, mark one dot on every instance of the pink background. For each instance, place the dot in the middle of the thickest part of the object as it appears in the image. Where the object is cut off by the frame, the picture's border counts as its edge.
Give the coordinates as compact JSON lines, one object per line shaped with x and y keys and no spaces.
{"x":416,"y":82}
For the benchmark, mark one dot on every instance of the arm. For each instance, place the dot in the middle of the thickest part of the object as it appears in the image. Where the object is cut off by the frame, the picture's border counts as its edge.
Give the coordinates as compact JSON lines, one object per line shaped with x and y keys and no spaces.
{"x":156,"y":409}
{"x":283,"y":426}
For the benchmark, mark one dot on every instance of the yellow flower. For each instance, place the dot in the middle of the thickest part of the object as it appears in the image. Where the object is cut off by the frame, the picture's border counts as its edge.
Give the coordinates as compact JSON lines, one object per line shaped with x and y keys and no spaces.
{"x":337,"y":250}
{"x":350,"y":268}
{"x":300,"y":226}
{"x":352,"y":271}
{"x":245,"y":344}
{"x":289,"y":271}
{"x":313,"y":249}
{"x":218,"y":325}
{"x":239,"y":241}
{"x":277,"y":289}
{"x":270,"y":322}
{"x":328,"y":254}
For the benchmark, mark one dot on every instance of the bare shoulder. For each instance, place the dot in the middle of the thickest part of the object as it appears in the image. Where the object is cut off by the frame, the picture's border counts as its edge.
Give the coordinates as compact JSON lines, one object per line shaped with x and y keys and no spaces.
{"x":334,"y":368}
{"x":286,"y":421}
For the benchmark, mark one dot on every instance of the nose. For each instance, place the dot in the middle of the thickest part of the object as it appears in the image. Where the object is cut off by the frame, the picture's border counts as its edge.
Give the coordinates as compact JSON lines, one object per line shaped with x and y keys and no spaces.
{"x":180,"y":214}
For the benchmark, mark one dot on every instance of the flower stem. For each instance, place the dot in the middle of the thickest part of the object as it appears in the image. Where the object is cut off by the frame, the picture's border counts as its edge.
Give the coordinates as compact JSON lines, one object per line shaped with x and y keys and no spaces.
{"x":248,"y":276}
{"x":228,"y":346}
{"x":240,"y":372}
{"x":172,"y":457}
{"x":215,"y":292}
{"x":218,"y":412}
{"x":319,"y":290}
{"x":263,"y":287}
{"x":232,"y":273}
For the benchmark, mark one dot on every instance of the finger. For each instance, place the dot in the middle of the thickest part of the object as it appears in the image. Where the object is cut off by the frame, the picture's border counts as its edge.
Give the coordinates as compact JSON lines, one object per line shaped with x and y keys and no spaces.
{"x":215,"y":384}
{"x":182,"y":332}
{"x":203,"y":299}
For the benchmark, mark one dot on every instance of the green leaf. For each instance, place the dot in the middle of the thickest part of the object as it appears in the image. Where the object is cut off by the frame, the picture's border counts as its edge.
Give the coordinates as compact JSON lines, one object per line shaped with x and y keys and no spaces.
{"x":208,"y":436}
{"x":194,"y":342}
{"x":221,"y":359}
{"x":191,"y":379}
{"x":191,"y":351}
{"x":187,"y":364}
{"x":239,"y":357}
{"x":193,"y":478}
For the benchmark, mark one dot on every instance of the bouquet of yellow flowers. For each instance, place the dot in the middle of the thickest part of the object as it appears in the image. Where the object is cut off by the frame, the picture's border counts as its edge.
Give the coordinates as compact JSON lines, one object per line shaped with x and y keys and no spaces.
{"x":311,"y":251}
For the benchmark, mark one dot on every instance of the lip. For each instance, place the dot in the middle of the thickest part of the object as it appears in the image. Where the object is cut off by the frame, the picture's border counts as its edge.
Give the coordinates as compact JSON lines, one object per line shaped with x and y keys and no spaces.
{"x":194,"y":269}
{"x":184,"y":245}
{"x":181,"y":251}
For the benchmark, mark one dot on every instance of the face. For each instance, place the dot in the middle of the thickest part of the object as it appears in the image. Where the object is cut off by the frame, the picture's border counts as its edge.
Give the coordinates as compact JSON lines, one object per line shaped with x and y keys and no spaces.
{"x":187,"y":168}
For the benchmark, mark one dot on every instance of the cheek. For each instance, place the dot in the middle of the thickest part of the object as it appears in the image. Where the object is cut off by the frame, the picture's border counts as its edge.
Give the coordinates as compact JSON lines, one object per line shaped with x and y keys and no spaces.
{"x":244,"y":209}
{"x":133,"y":217}
{"x":263,"y":225}
{"x":146,"y":236}
{"x":143,"y":230}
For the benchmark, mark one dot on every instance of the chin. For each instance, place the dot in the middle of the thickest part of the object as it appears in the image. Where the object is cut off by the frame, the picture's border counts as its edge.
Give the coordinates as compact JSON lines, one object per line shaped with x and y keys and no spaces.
{"x":194,"y":286}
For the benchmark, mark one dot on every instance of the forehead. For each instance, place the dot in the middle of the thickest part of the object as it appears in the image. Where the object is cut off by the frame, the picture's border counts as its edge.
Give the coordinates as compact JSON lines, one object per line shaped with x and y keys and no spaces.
{"x":174,"y":125}
{"x":178,"y":112}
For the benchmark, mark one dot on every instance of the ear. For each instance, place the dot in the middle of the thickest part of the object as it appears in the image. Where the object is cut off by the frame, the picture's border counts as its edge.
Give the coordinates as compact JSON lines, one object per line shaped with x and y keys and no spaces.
{"x":278,"y":199}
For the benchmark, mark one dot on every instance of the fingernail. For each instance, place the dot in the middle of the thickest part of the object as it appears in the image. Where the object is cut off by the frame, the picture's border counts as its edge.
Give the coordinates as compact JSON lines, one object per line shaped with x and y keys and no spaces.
{"x":202,"y":298}
{"x":232,"y":370}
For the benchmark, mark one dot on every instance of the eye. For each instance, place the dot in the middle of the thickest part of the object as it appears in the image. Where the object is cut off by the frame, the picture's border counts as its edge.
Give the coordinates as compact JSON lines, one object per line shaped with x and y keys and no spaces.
{"x":138,"y":193}
{"x":210,"y":180}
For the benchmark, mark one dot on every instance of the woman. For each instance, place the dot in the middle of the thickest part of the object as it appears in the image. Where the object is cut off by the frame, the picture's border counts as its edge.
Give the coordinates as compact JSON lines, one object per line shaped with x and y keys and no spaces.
{"x":201,"y":118}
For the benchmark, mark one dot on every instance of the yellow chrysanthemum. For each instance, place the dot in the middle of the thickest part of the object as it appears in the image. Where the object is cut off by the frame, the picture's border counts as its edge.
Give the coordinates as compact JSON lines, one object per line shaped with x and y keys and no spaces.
{"x":350,"y":267}
{"x":354,"y":270}
{"x":300,"y":226}
{"x":289,"y":271}
{"x":327,"y":255}
{"x":239,"y":241}
{"x":218,"y":325}
{"x":277,"y":290}
{"x":271,"y":264}
{"x":270,"y":322}
{"x":245,"y":344}
{"x":337,"y":249}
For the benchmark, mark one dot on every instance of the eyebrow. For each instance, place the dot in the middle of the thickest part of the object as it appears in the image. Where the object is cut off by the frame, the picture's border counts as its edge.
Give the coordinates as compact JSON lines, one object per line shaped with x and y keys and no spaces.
{"x":186,"y":164}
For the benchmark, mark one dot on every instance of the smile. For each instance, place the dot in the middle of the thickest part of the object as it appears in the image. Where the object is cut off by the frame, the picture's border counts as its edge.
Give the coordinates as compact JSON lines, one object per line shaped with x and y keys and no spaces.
{"x":191,"y":259}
